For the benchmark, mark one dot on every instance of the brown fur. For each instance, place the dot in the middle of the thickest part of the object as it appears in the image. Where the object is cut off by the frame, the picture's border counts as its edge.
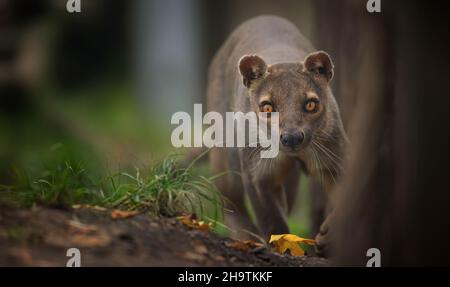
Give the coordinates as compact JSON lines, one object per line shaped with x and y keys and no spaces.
{"x":267,"y":58}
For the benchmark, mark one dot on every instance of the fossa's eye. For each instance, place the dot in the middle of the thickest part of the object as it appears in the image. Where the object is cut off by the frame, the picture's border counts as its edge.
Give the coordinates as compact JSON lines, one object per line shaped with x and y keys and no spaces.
{"x":311,"y":105}
{"x":266,"y":107}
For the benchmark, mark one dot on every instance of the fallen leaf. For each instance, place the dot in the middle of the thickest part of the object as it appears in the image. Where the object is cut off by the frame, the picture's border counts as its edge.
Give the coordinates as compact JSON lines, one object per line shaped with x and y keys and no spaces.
{"x":116,"y":214}
{"x":201,"y":225}
{"x":191,"y":222}
{"x":253,"y":244}
{"x":291,"y":242}
{"x":238,"y":245}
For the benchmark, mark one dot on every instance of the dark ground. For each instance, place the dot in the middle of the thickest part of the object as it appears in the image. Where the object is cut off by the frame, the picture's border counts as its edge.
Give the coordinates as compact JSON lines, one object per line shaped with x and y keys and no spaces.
{"x":41,"y":237}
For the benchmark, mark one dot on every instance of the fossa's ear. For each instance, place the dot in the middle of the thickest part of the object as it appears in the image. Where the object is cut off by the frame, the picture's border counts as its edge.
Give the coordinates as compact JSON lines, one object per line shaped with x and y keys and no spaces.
{"x":251,"y":67}
{"x":320,"y":65}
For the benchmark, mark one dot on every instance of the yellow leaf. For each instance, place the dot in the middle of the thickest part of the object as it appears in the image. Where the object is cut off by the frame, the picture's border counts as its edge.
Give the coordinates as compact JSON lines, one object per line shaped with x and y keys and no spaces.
{"x":291,"y":242}
{"x":191,"y":222}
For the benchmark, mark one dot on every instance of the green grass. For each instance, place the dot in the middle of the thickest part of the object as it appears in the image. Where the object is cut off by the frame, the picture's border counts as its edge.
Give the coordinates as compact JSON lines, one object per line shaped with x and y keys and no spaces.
{"x":166,"y":189}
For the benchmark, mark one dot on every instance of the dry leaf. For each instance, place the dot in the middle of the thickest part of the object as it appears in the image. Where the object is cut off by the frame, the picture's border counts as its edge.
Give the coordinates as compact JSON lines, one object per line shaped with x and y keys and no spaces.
{"x":123,"y":214}
{"x":291,"y":242}
{"x":238,"y":245}
{"x":193,"y":223}
{"x":253,"y":244}
{"x":201,"y":225}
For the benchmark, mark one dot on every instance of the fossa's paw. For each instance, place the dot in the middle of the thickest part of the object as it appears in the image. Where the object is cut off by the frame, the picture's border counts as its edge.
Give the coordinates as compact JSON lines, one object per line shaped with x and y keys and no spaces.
{"x":323,"y":244}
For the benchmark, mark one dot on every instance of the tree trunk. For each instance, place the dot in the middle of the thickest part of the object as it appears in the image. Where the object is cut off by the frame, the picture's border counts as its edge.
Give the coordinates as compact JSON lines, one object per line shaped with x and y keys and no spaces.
{"x":392,"y":84}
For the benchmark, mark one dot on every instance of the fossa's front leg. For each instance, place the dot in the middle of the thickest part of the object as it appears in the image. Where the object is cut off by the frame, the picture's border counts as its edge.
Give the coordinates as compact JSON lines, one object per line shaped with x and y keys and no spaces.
{"x":266,"y":194}
{"x":323,"y":238}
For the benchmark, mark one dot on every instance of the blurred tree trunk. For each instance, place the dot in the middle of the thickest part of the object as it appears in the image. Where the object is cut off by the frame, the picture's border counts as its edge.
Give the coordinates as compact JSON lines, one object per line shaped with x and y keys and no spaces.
{"x":392,"y":84}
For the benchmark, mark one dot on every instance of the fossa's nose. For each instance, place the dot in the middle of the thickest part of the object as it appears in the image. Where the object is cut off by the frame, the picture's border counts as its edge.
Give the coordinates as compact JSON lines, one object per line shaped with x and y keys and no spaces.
{"x":293,"y":139}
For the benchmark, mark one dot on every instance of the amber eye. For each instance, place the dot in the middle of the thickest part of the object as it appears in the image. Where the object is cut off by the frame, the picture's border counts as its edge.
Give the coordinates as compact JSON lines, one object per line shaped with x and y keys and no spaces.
{"x":311,"y":106}
{"x":266,"y":108}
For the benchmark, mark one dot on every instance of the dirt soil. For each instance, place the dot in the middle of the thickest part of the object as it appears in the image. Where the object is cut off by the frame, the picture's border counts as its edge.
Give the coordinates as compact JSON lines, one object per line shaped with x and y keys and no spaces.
{"x":41,"y":237}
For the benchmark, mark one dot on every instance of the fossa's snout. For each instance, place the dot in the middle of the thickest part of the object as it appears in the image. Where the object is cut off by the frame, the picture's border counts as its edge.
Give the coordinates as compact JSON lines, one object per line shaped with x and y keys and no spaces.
{"x":292,"y":139}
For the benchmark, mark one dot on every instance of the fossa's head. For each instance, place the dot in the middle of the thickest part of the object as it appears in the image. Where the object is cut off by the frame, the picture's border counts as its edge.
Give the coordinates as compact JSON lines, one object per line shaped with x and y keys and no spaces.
{"x":299,"y":92}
